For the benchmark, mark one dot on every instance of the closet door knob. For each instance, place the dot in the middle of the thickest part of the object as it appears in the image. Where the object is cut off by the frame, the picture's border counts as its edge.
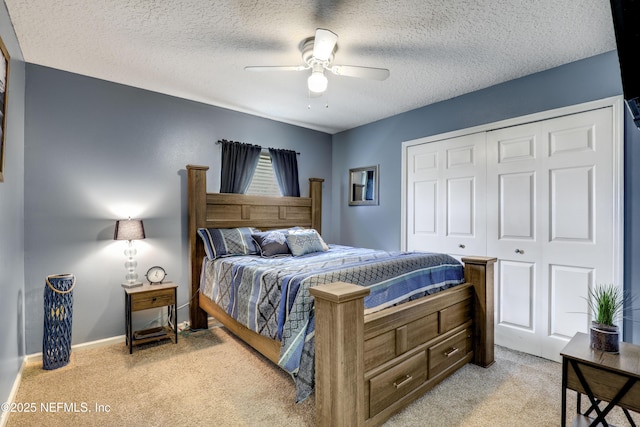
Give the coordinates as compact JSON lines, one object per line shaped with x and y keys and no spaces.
{"x":519,"y":251}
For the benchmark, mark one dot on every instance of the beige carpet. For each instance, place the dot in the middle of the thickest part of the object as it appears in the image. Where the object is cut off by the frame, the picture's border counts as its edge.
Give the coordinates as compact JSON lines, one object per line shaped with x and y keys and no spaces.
{"x":210,"y":378}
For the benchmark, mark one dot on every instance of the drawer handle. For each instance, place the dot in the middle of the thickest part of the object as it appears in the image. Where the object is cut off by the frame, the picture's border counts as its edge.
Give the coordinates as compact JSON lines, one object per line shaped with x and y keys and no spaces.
{"x":520,"y":251}
{"x":154,"y":299}
{"x":402,"y":381}
{"x":451,"y":352}
{"x":461,"y":246}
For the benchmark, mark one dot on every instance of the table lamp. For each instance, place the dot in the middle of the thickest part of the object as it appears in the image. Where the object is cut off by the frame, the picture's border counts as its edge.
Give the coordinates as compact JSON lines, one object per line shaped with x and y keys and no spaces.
{"x":130,"y":229}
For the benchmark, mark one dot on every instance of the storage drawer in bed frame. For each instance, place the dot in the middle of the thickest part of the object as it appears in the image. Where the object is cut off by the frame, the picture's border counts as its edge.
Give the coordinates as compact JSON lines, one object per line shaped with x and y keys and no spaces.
{"x":397,"y":381}
{"x":412,"y":356}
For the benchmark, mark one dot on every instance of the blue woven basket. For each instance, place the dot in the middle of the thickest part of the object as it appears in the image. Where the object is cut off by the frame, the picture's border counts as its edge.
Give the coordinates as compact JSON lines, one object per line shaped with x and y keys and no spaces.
{"x":58,"y":311}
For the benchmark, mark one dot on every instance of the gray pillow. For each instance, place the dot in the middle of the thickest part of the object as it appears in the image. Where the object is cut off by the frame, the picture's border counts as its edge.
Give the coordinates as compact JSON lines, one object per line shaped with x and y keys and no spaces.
{"x":272,"y":243}
{"x":305,"y":242}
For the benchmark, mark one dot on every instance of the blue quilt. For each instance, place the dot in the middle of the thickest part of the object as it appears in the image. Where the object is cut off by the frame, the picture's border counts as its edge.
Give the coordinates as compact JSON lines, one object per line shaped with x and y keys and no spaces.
{"x":271,"y":295}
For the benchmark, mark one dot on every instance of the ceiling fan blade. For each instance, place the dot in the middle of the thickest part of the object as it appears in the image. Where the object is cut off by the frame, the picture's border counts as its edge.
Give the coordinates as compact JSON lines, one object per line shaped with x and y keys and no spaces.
{"x":323,"y":44}
{"x":361,"y":72}
{"x":276,"y":68}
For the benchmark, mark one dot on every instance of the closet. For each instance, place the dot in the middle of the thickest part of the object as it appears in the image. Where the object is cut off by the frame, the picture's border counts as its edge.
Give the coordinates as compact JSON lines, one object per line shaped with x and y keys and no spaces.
{"x":543,"y":195}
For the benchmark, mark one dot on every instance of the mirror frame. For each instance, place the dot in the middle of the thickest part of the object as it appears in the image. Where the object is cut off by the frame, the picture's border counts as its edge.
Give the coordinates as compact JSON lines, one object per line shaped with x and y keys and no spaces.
{"x":376,"y":186}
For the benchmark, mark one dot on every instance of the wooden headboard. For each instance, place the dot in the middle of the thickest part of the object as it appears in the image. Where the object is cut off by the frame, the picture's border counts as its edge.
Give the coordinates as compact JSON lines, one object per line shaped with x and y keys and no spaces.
{"x":224,"y":210}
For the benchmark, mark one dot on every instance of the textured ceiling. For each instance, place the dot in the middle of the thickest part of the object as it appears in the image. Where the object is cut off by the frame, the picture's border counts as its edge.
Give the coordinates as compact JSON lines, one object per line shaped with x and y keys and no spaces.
{"x":197,"y":49}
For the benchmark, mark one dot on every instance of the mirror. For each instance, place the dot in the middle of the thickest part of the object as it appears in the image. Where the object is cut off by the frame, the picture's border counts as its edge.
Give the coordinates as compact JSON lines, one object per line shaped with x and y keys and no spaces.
{"x":363,"y":186}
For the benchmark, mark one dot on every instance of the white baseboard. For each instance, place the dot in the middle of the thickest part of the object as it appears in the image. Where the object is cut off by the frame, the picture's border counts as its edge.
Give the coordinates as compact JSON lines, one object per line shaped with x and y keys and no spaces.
{"x":37,"y":357}
{"x":4,"y":415}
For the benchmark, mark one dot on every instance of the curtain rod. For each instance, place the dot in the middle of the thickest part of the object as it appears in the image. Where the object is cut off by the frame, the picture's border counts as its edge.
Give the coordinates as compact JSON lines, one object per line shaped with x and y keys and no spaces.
{"x":263,"y":148}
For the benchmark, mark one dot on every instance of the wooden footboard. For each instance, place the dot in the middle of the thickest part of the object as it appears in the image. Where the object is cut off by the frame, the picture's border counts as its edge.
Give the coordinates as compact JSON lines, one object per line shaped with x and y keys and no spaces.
{"x":370,"y":367}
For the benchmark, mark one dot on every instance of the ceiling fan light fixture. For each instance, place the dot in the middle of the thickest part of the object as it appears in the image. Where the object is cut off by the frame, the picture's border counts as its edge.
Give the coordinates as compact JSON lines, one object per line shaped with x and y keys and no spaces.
{"x":317,"y":55}
{"x":317,"y":82}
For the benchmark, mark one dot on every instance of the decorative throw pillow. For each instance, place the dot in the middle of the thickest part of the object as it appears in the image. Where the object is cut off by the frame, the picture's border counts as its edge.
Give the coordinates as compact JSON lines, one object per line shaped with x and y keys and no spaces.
{"x":304,"y":242}
{"x":219,"y":242}
{"x":272,"y":243}
{"x":325,"y":247}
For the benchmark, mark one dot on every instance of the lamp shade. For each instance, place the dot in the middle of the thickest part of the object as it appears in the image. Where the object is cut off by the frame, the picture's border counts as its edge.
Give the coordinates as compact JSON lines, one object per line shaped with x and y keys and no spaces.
{"x":129,"y":229}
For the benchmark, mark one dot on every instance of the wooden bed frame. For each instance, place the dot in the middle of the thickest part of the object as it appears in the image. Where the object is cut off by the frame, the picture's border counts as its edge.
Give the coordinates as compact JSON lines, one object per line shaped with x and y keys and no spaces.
{"x":367,"y":367}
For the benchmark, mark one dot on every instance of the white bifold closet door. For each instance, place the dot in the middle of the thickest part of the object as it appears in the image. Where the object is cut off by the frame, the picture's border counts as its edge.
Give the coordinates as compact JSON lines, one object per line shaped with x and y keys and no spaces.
{"x":445,"y":196}
{"x":543,"y":198}
{"x":550,"y":212}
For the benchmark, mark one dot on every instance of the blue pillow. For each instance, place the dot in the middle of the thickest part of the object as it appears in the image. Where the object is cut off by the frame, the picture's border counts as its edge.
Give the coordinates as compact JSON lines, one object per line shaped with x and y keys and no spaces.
{"x":305,"y":242}
{"x":219,"y":242}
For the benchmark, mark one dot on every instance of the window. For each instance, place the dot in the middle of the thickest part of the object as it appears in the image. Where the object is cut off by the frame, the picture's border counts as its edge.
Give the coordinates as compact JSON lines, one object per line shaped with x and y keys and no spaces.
{"x":264,"y":180}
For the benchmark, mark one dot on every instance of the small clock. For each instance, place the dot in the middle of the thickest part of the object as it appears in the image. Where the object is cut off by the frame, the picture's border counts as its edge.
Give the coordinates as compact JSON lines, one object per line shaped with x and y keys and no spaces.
{"x":156,"y":274}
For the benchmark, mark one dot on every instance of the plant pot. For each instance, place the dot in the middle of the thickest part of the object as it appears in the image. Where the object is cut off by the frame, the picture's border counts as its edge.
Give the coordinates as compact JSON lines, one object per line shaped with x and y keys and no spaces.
{"x":605,"y":338}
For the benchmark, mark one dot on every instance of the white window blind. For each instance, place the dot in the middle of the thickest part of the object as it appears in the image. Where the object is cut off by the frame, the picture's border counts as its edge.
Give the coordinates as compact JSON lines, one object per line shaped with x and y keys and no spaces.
{"x":264,"y":180}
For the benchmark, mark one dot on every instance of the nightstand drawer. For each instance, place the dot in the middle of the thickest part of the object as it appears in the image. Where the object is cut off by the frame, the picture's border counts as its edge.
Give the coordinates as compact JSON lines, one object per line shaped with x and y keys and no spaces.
{"x":153,"y":299}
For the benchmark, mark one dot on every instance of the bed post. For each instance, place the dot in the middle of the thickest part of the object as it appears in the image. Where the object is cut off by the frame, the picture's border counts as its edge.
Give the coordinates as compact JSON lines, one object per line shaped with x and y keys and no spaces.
{"x":479,"y":272}
{"x":339,"y":335}
{"x":197,"y":208}
{"x":315,"y":192}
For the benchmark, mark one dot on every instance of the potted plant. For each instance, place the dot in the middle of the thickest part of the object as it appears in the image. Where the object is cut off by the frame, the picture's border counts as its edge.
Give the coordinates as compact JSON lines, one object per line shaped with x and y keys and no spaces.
{"x":606,"y":303}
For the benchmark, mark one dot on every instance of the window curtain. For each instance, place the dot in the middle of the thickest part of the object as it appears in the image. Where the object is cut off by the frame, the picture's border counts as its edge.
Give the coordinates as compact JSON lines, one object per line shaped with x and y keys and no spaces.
{"x":239,"y":163}
{"x":285,"y":168}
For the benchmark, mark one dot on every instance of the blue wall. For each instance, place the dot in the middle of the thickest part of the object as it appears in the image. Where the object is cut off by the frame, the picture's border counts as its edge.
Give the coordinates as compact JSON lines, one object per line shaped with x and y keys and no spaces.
{"x":12,"y":332}
{"x":96,"y":152}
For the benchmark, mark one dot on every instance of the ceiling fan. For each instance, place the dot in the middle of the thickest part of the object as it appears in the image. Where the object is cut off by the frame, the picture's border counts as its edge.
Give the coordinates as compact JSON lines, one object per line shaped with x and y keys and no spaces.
{"x":317,"y":54}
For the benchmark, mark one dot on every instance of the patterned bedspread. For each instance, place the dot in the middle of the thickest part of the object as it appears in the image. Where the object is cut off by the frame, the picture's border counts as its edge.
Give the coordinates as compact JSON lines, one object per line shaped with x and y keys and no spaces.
{"x":271,"y":295}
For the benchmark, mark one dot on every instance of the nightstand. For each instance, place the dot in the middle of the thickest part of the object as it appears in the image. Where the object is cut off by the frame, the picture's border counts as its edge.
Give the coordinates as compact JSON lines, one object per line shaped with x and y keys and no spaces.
{"x":601,"y":376}
{"x":151,"y":296}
